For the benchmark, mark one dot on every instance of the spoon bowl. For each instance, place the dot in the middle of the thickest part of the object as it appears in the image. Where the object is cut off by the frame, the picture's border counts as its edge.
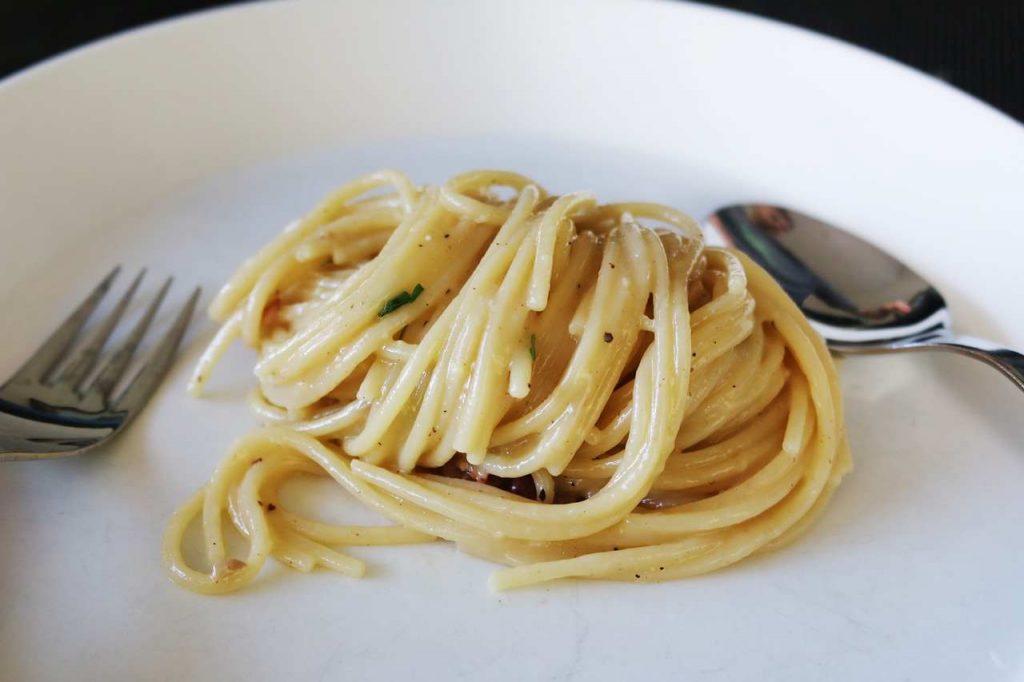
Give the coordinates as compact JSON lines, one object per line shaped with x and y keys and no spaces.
{"x":858,"y":297}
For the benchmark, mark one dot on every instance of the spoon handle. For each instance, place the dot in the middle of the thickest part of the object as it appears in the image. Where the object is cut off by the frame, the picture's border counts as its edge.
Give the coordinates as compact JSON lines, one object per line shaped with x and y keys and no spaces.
{"x":1009,"y":362}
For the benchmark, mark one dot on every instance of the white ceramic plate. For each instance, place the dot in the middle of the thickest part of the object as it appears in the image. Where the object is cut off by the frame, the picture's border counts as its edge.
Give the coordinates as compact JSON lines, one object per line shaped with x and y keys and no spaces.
{"x":186,"y":145}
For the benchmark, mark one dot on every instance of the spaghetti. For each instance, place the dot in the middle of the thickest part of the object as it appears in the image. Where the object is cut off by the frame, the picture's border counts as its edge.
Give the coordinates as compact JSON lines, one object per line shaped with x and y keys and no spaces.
{"x":568,"y":388}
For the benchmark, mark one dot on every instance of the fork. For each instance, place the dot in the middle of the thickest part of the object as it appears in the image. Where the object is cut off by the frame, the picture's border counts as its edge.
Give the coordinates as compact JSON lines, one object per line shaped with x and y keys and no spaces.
{"x":46,"y":414}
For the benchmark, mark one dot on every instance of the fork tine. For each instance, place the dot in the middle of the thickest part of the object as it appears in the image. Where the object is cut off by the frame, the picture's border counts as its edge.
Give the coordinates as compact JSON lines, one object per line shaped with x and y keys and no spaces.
{"x":149,"y":377}
{"x":117,"y":363}
{"x":47,"y":355}
{"x":85,"y":358}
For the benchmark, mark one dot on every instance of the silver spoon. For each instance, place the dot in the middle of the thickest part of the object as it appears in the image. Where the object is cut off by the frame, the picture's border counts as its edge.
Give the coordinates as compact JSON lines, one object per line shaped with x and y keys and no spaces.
{"x":861,"y":299}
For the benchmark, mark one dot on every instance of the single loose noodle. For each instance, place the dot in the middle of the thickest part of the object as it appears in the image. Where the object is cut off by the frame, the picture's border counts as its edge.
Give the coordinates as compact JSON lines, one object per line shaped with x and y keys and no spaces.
{"x":569,"y":388}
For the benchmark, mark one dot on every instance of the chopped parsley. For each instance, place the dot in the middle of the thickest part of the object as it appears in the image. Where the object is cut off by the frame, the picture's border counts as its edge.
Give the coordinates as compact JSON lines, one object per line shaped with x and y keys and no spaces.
{"x":533,"y":346}
{"x":398,"y":301}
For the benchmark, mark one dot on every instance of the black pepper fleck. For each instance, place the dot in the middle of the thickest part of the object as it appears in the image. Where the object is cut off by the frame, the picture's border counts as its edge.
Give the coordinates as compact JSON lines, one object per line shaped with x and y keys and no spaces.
{"x":608,"y":338}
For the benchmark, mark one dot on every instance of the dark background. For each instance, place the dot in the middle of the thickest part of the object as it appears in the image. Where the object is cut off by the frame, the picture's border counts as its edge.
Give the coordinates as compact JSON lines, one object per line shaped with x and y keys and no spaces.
{"x":977,"y":46}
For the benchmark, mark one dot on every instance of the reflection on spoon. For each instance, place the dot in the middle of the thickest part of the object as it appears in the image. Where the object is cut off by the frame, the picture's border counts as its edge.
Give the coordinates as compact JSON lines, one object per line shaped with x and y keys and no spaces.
{"x":861,"y":299}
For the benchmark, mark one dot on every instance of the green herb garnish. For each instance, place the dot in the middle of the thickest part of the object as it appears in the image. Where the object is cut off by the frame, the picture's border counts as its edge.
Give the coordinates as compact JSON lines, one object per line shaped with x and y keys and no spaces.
{"x":533,"y":346}
{"x":400,"y":300}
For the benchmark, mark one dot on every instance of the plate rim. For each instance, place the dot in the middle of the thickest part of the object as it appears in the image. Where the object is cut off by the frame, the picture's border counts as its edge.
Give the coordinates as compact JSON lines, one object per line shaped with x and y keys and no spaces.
{"x":43,"y":67}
